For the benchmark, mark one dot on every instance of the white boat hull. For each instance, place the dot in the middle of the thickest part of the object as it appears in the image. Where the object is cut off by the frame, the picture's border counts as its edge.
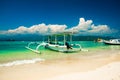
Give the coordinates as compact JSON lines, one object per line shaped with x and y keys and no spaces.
{"x":113,"y":42}
{"x":59,"y":48}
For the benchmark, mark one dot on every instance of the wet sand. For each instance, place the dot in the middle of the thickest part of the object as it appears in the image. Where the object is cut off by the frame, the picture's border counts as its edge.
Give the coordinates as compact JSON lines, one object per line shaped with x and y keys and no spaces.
{"x":92,"y":65}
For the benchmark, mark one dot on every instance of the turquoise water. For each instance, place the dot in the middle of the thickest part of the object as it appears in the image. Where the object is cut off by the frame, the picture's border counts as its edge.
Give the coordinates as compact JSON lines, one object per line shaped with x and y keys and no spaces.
{"x":10,"y":51}
{"x":11,"y":47}
{"x":8,"y":47}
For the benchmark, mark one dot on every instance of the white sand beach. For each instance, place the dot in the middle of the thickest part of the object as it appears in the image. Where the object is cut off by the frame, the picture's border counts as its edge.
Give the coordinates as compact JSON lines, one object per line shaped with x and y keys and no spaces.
{"x":102,"y":66}
{"x":107,"y":72}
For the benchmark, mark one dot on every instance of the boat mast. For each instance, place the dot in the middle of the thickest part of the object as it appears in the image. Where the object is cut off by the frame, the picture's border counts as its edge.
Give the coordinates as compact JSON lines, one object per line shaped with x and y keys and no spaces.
{"x":64,"y":39}
{"x":71,"y":38}
{"x":55,"y":39}
{"x":48,"y":39}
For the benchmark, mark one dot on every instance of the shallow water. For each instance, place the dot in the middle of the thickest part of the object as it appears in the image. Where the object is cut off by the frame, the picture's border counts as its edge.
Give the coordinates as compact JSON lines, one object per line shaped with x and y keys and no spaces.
{"x":12,"y":51}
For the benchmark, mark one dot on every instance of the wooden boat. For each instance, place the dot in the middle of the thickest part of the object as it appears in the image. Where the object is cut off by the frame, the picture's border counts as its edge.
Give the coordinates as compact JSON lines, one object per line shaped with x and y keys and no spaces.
{"x":66,"y":47}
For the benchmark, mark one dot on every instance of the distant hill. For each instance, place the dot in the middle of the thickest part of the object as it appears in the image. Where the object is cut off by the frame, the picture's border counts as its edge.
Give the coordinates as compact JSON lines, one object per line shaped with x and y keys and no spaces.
{"x":90,"y":38}
{"x":35,"y":37}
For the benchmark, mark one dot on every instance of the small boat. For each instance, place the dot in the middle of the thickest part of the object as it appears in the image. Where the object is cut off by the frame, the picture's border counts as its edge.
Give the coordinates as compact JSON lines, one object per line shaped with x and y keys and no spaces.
{"x":66,"y":47}
{"x":99,"y":40}
{"x":112,"y":42}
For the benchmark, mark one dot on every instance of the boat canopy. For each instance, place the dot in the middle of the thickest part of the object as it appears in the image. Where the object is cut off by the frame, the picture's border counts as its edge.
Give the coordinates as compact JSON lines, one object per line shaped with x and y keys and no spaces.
{"x":64,"y":34}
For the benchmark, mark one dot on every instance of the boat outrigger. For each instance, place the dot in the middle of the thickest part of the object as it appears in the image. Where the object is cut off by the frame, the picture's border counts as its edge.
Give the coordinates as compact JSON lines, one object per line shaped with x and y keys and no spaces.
{"x":58,"y":46}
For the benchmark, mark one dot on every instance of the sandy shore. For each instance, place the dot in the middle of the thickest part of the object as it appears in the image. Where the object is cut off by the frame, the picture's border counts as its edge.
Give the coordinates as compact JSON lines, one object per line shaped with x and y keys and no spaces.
{"x":105,"y":65}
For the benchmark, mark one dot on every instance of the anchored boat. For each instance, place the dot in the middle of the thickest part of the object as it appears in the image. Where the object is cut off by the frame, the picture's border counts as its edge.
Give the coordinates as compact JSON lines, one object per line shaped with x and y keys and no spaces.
{"x":65,"y":46}
{"x":112,"y":42}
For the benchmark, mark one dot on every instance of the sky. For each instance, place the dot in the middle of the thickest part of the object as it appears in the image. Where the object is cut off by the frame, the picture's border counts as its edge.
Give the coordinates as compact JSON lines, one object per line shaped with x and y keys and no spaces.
{"x":86,"y":16}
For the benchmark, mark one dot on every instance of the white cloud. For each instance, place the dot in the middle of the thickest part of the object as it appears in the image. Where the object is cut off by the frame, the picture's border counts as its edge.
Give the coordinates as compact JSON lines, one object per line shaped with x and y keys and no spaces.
{"x":88,"y":28}
{"x":84,"y":27}
{"x":20,"y":29}
{"x":36,"y":29}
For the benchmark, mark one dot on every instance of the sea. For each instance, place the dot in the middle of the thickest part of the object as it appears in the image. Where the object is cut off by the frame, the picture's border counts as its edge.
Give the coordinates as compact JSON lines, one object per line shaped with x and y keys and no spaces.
{"x":15,"y":53}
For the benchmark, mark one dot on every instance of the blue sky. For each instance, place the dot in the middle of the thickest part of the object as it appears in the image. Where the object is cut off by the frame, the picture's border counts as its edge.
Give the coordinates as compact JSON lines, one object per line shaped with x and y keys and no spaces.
{"x":15,"y":13}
